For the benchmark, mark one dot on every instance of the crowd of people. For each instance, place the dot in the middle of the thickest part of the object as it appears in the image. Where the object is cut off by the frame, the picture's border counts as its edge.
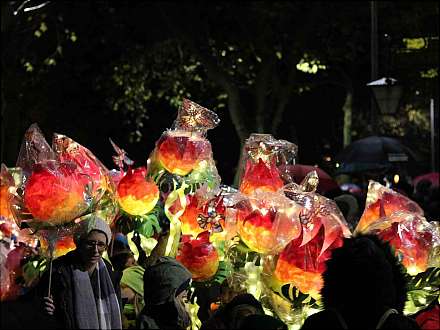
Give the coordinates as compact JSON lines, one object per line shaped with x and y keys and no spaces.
{"x":364,"y":286}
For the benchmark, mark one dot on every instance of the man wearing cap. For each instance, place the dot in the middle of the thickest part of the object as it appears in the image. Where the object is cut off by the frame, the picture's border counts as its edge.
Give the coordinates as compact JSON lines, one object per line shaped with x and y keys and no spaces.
{"x":85,"y":292}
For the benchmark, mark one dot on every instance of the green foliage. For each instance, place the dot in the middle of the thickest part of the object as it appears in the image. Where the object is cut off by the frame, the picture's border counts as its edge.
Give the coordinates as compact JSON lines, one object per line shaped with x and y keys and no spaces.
{"x":423,"y":289}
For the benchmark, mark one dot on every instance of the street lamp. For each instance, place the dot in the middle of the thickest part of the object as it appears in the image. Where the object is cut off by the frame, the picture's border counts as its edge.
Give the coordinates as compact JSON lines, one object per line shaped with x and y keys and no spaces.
{"x":387,"y":93}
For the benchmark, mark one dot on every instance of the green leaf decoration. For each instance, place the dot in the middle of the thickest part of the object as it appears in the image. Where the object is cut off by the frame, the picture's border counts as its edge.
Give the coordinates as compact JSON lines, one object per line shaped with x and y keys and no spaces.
{"x":423,"y":289}
{"x":224,"y":271}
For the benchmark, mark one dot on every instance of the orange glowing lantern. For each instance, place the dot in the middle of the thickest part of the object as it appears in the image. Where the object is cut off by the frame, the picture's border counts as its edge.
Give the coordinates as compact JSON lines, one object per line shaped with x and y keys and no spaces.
{"x":62,"y":245}
{"x":323,"y":229}
{"x":137,"y":194}
{"x":179,"y":152}
{"x":55,"y":193}
{"x":87,"y":164}
{"x":412,"y":237}
{"x":190,"y":226}
{"x":303,"y":265}
{"x":5,"y":211}
{"x":382,"y":202}
{"x":199,"y":256}
{"x":262,"y":176}
{"x":268,"y":222}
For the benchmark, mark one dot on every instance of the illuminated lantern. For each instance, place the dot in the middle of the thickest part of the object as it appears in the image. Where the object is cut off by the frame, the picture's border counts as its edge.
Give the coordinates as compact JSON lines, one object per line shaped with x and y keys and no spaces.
{"x":263,"y":163}
{"x":179,"y":152}
{"x":262,"y":176}
{"x":199,"y":256}
{"x":62,"y":246}
{"x":5,"y":211}
{"x":137,"y":194}
{"x":55,"y":193}
{"x":412,"y":237}
{"x":268,"y":222}
{"x":323,"y":229}
{"x":87,"y":164}
{"x":190,"y":226}
{"x":303,"y":265}
{"x":382,"y":202}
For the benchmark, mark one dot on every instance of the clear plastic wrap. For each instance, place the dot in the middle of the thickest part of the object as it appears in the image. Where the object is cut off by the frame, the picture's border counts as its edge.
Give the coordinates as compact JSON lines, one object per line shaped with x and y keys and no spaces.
{"x":381,"y":202}
{"x":323,"y":227}
{"x":415,"y":240}
{"x":199,"y":256}
{"x":263,"y":163}
{"x":265,"y":221}
{"x":184,"y":151}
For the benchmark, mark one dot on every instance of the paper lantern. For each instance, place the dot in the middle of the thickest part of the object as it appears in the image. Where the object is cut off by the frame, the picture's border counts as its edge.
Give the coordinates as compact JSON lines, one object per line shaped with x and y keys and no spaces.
{"x":55,"y":193}
{"x":137,"y":194}
{"x":267,"y":222}
{"x":199,"y":256}
{"x":179,"y":152}
{"x":262,"y":176}
{"x":382,"y":202}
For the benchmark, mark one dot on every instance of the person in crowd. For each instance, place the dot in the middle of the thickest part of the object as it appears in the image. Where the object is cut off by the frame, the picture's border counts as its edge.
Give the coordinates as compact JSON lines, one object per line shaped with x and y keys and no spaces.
{"x":232,"y":314}
{"x":349,"y":207}
{"x":263,"y":322}
{"x":85,"y":293}
{"x":364,"y":288}
{"x":166,"y":284}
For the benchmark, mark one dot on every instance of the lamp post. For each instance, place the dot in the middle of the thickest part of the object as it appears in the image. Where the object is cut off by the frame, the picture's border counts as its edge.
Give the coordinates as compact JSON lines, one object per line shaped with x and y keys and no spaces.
{"x":387,"y":93}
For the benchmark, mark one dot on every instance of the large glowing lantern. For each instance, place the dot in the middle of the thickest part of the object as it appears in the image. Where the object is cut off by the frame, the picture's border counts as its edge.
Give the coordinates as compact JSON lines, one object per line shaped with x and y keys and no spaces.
{"x":382,"y":202}
{"x":62,"y":246}
{"x":179,"y":152}
{"x":412,"y":237}
{"x":267,"y":222}
{"x":262,"y":176}
{"x":199,"y":256}
{"x":87,"y":164}
{"x":55,"y":193}
{"x":137,"y":194}
{"x":190,"y":226}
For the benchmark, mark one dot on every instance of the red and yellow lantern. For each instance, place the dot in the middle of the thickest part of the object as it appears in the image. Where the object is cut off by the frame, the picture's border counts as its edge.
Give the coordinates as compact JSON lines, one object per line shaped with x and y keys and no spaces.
{"x":179,"y":152}
{"x":55,"y":193}
{"x":137,"y":194}
{"x":199,"y":256}
{"x":382,"y":202}
{"x":260,"y":175}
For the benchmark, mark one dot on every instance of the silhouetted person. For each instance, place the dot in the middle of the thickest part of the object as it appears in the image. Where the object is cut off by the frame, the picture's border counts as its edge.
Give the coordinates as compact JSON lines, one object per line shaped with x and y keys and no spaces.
{"x":364,"y":288}
{"x":166,"y":282}
{"x":231,"y":315}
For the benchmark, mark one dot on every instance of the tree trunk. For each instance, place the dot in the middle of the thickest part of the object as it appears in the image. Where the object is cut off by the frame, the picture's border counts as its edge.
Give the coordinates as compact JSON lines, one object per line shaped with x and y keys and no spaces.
{"x":347,"y":108}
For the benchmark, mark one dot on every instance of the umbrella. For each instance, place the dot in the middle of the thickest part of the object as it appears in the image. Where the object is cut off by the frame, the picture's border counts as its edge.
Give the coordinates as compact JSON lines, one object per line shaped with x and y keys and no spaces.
{"x":373,"y":153}
{"x":298,"y":171}
{"x":432,"y":177}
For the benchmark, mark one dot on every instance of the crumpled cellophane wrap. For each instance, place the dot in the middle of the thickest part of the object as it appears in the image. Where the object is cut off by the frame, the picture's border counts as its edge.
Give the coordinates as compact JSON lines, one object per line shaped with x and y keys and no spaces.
{"x":103,"y":189}
{"x":34,"y":149}
{"x":266,"y":221}
{"x":199,"y":256}
{"x":415,"y":240}
{"x":183,"y":152}
{"x":182,"y":162}
{"x":381,"y":202}
{"x":55,"y":194}
{"x":263,"y":161}
{"x":11,"y":179}
{"x":322,"y":229}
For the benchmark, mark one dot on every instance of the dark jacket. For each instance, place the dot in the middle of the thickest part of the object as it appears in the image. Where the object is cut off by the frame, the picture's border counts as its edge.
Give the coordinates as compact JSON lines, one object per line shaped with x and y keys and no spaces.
{"x":162,"y":279}
{"x":62,"y":289}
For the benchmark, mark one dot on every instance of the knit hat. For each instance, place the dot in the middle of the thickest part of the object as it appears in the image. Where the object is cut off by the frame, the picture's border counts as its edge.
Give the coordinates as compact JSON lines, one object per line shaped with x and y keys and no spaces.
{"x":92,"y":223}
